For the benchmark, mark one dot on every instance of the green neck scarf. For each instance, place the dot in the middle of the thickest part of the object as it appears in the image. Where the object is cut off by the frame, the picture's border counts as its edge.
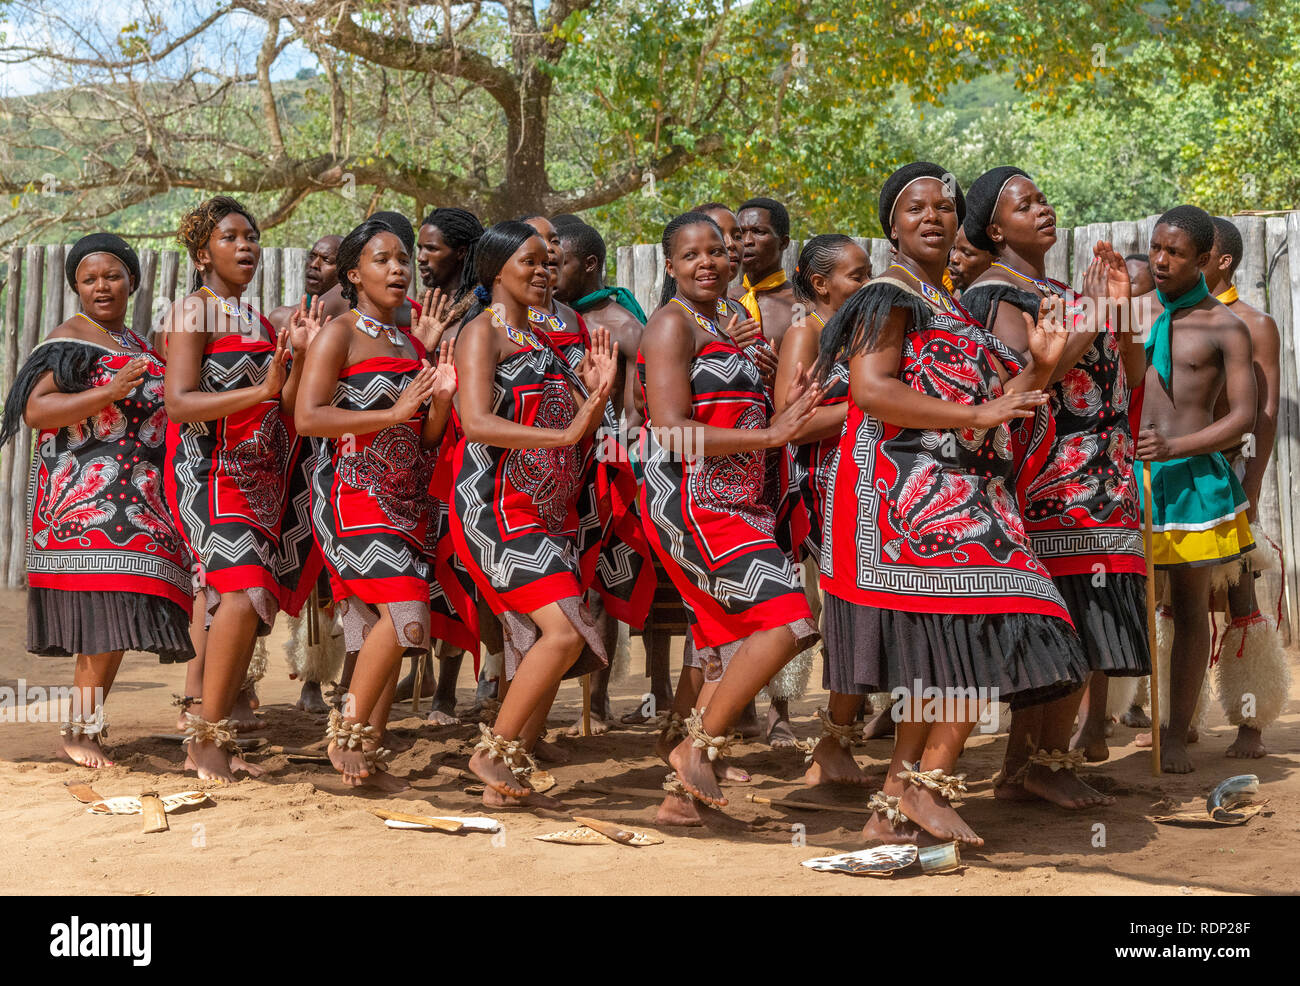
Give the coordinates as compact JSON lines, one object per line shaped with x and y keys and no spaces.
{"x":621,"y":296}
{"x":1157,"y":345}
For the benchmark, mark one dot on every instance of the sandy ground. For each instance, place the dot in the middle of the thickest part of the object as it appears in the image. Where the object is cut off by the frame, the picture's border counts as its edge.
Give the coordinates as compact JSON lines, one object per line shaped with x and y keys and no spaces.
{"x":300,"y":832}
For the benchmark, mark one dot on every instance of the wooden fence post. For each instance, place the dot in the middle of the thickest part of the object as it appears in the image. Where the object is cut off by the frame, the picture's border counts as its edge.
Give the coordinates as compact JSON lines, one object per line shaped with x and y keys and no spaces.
{"x":21,"y":450}
{"x":13,"y":307}
{"x":1282,"y":484}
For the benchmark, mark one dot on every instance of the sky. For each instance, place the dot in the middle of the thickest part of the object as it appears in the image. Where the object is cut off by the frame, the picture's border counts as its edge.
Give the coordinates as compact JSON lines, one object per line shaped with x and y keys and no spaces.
{"x":235,"y":41}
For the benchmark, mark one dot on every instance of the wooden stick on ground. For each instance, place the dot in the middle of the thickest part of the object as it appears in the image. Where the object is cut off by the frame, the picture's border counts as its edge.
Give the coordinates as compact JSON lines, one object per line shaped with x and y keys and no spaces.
{"x":442,"y":824}
{"x":1149,"y":545}
{"x":151,"y":808}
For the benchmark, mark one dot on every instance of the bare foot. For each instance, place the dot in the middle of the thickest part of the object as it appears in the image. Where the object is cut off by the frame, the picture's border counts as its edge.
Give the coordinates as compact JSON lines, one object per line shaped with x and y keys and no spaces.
{"x":880,"y":725}
{"x":239,"y":763}
{"x":779,"y":734}
{"x":936,"y":816}
{"x":209,"y":761}
{"x":1174,"y":758}
{"x":493,"y":798}
{"x":549,"y":753}
{"x":350,"y":763}
{"x":724,"y":771}
{"x":1012,"y":790}
{"x":680,"y":810}
{"x":382,"y":780}
{"x":1249,"y":745}
{"x":1135,"y":718}
{"x":881,"y":831}
{"x":833,"y":764}
{"x":598,"y":727}
{"x":696,"y":773}
{"x":311,"y":700}
{"x":84,"y":751}
{"x":496,"y":775}
{"x":241,"y":715}
{"x":1091,"y":739}
{"x":1144,"y":740}
{"x":398,"y":744}
{"x":1064,"y":788}
{"x":439,"y":718}
{"x":181,"y":724}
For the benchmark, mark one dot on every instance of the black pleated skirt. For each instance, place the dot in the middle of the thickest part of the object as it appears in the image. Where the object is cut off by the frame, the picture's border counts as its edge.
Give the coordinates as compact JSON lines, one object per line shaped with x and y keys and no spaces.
{"x":1111,"y":620}
{"x":61,"y":623}
{"x":1029,"y":659}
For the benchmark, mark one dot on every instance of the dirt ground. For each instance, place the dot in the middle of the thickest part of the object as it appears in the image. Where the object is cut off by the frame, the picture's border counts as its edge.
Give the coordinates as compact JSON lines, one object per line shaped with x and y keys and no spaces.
{"x":300,"y":832}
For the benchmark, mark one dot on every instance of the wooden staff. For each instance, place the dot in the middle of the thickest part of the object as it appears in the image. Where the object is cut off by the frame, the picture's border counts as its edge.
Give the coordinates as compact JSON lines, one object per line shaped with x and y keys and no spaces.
{"x":418,"y":673}
{"x":1148,"y":543}
{"x":586,"y":704}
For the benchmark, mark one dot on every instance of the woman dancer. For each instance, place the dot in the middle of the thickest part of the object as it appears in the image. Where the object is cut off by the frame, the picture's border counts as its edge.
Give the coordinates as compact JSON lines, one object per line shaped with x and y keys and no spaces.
{"x":527,"y":417}
{"x":716,"y":502}
{"x":930,"y":581}
{"x":233,"y":466}
{"x":1081,"y":511}
{"x":830,"y":270}
{"x":106,"y":569}
{"x":364,"y":391}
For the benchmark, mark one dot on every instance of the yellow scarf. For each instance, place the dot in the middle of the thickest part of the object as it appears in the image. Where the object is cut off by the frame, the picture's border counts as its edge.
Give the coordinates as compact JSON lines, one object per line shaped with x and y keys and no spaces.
{"x":947,"y":283}
{"x":750,"y":298}
{"x":1229,"y":296}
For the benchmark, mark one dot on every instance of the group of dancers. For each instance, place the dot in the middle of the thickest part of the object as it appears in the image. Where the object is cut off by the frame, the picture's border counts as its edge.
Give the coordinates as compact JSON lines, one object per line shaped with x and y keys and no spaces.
{"x":929,"y":468}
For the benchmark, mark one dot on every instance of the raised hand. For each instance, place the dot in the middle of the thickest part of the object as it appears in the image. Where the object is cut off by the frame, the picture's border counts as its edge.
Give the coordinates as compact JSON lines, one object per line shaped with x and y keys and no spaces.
{"x":304,"y":323}
{"x":801,"y":381}
{"x":1118,"y":286}
{"x":600,"y":366}
{"x":1047,"y":336}
{"x":126,"y":379}
{"x":277,"y":373}
{"x":435,"y":318}
{"x":766,"y":360}
{"x":444,"y":374}
{"x":414,"y":394}
{"x":1008,"y":406}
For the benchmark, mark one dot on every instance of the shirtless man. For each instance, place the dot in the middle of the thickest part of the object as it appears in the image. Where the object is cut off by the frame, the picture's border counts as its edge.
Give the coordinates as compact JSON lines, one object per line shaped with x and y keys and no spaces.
{"x":769,"y":296}
{"x":966,"y":262}
{"x":1196,"y":349}
{"x":1252,"y":674}
{"x":321,"y":275}
{"x":445,"y":239}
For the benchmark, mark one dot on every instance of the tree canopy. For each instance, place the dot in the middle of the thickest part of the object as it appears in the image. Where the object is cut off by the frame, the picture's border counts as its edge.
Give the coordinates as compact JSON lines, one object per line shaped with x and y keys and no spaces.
{"x":630,"y":110}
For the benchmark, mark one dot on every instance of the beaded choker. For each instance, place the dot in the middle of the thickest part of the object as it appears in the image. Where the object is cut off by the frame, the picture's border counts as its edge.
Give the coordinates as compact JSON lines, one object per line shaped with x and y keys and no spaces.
{"x":372,"y":327}
{"x":938,"y":297}
{"x":229,"y":307}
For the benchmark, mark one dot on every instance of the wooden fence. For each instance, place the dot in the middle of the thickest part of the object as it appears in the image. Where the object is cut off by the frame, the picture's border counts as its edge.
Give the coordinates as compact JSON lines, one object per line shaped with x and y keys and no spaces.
{"x":34,"y":298}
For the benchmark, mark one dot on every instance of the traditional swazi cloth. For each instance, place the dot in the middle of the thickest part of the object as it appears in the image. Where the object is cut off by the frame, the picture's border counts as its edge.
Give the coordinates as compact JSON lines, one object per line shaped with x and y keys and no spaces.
{"x":1198,"y":512}
{"x":817,"y":459}
{"x":750,"y":298}
{"x":514,"y":515}
{"x":1081,"y":509}
{"x":622,"y":297}
{"x":453,"y":598}
{"x":727,"y":528}
{"x":614,"y":556}
{"x":239,"y":487}
{"x":371,"y":507}
{"x":928,"y":570}
{"x":106,"y":568}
